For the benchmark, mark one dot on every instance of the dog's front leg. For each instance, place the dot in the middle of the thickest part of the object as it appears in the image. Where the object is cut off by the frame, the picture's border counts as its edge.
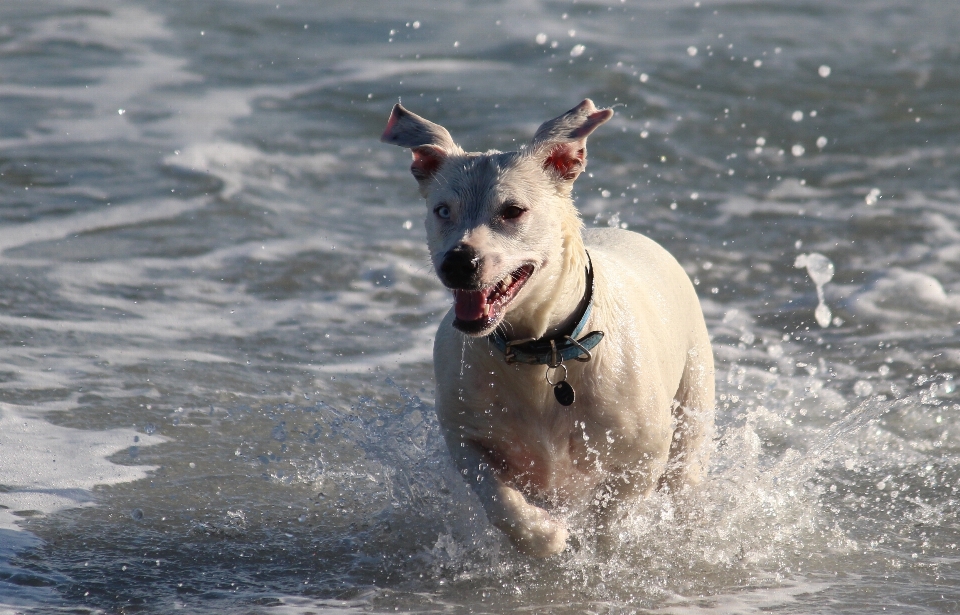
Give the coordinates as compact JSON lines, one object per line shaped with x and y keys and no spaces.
{"x":531,"y":529}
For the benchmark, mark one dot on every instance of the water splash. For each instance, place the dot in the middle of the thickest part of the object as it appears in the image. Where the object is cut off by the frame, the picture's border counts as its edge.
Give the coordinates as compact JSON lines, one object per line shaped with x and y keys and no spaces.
{"x":821,"y":271}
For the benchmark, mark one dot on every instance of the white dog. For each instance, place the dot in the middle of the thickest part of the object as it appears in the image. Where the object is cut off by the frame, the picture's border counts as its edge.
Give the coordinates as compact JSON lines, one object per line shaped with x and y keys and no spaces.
{"x":575,"y":366}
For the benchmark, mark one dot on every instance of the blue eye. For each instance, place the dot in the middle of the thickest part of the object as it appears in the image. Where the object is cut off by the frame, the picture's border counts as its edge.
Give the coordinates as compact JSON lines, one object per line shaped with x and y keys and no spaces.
{"x":443,"y":211}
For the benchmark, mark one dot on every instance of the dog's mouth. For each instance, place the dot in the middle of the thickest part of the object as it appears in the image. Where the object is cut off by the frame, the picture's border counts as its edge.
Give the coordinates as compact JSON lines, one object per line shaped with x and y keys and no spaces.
{"x":479,"y":310}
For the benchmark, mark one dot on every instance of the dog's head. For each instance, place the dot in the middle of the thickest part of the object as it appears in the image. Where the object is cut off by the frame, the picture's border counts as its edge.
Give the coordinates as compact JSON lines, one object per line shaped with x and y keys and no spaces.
{"x":497,"y":221}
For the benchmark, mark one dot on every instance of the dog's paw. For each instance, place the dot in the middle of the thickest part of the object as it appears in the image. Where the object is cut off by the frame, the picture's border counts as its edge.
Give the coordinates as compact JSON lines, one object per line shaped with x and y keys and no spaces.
{"x":542,"y":538}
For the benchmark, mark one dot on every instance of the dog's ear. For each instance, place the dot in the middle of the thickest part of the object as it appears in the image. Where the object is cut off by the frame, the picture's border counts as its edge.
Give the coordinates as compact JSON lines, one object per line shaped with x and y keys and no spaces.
{"x":561,"y":143}
{"x":430,"y":143}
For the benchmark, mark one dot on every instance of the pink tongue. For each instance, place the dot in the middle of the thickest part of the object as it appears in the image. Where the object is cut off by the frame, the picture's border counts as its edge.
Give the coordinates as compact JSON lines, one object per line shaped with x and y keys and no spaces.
{"x":469,"y":304}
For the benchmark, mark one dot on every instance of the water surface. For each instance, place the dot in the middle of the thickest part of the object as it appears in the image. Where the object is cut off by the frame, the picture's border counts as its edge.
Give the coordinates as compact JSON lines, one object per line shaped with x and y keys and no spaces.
{"x":217,"y":309}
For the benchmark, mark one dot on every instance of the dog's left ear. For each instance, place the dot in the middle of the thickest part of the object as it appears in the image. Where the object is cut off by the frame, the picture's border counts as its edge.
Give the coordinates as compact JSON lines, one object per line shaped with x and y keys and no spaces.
{"x":430,"y":143}
{"x":561,"y":143}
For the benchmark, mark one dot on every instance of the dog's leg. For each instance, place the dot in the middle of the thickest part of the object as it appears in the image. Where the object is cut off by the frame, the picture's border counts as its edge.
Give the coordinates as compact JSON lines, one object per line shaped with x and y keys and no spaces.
{"x":693,"y":414}
{"x":531,"y":529}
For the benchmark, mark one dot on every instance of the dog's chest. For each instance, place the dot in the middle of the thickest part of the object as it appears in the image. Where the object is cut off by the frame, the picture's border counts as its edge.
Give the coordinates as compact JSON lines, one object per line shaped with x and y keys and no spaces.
{"x":533,"y":441}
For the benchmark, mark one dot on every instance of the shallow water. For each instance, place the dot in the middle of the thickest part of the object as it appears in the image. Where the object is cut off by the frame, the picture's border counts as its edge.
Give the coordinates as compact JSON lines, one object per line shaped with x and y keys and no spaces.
{"x":217,"y":307}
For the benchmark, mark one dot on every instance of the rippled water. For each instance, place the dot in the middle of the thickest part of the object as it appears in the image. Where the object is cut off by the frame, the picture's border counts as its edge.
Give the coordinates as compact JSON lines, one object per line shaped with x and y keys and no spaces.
{"x":217,"y":308}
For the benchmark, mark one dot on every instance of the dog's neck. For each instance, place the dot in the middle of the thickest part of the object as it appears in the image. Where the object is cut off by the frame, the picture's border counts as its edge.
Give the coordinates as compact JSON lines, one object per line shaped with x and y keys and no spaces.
{"x":557,"y":299}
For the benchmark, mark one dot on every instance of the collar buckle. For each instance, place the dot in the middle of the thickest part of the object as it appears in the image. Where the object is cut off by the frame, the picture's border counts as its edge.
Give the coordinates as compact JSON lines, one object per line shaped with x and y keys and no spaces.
{"x":509,"y":355}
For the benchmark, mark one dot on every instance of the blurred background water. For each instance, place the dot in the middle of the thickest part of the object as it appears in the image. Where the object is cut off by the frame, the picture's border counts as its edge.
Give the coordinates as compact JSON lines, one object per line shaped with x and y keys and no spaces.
{"x":217,"y":308}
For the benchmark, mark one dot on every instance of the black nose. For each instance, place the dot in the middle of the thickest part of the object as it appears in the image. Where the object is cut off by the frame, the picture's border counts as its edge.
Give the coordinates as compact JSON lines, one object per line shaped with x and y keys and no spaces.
{"x":461,"y":268}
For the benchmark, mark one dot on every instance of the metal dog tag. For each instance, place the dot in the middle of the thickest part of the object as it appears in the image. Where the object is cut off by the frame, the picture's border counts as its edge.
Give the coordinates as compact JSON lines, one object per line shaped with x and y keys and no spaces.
{"x":564,"y":393}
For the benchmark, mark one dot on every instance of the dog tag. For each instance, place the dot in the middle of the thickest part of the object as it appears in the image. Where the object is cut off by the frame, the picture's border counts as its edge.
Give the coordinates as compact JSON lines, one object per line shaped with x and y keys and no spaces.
{"x":564,"y":393}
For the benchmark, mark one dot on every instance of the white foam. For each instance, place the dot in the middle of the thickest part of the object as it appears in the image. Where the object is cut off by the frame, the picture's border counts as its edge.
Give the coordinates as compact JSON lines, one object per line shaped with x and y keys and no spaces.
{"x":49,"y":468}
{"x":240,"y":165}
{"x":107,"y":217}
{"x":760,"y":600}
{"x":903,"y":298}
{"x":45,"y":468}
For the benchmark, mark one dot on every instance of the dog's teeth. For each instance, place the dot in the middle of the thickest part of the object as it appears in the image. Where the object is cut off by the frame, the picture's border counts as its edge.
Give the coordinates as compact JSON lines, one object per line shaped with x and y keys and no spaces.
{"x":486,"y":310}
{"x":506,"y":282}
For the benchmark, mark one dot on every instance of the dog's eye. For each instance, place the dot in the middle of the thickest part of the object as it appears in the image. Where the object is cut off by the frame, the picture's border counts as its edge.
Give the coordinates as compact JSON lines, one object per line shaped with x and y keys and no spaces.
{"x":512,"y":211}
{"x":443,"y":211}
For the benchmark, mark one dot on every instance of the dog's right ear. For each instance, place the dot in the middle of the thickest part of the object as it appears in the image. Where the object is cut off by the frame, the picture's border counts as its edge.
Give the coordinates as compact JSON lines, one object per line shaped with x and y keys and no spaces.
{"x":430,"y":143}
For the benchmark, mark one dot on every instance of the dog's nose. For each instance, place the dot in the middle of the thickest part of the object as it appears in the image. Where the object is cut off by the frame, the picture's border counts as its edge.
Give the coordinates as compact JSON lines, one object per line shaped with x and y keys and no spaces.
{"x":461,"y":268}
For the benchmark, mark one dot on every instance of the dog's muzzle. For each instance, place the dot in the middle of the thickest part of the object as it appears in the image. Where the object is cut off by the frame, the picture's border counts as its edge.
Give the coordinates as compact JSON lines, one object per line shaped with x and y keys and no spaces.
{"x":460,"y":268}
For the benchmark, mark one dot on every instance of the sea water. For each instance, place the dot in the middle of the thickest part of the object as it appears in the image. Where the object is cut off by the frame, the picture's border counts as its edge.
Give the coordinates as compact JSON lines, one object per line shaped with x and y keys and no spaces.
{"x":217,"y":308}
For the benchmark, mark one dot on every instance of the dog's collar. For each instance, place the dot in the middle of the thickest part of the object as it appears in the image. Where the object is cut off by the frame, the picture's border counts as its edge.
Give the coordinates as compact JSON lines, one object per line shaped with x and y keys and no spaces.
{"x":554,"y":350}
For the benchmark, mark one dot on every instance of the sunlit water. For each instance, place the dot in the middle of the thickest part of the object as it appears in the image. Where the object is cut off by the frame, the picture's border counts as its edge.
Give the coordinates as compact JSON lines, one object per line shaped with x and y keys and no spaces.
{"x":217,"y":308}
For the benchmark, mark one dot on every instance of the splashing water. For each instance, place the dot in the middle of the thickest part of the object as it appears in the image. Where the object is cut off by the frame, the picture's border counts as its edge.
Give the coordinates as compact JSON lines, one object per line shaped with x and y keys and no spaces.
{"x":821,"y":270}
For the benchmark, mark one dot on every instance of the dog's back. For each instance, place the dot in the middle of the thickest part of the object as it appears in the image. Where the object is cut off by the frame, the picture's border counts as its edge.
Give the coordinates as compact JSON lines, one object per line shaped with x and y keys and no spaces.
{"x":644,"y":295}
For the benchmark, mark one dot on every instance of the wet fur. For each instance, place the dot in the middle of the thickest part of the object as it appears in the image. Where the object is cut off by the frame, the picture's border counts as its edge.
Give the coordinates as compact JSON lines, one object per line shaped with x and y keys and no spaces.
{"x":643,"y":417}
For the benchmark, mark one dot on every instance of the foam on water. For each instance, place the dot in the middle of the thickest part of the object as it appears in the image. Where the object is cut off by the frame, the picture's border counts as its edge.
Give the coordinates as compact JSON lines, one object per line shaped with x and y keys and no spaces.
{"x":46,"y":469}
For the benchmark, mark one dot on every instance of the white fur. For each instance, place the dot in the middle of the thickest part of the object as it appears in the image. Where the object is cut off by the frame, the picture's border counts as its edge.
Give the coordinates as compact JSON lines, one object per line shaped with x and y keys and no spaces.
{"x":643,"y":416}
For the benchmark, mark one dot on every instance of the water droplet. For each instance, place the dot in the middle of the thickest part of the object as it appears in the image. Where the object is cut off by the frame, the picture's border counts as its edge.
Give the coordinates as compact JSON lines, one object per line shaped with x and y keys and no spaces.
{"x":872,"y":197}
{"x":577,"y":51}
{"x":824,"y":70}
{"x":797,"y":150}
{"x":644,"y":77}
{"x":137,"y":514}
{"x":541,"y":39}
{"x":821,"y":142}
{"x":691,"y":51}
{"x":820,"y":269}
{"x":149,"y":428}
{"x":862,"y":388}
